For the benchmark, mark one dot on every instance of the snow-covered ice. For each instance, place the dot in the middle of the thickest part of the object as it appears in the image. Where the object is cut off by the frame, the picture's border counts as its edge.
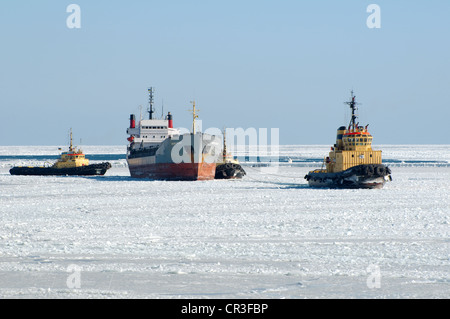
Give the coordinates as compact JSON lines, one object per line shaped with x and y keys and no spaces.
{"x":266,"y":236}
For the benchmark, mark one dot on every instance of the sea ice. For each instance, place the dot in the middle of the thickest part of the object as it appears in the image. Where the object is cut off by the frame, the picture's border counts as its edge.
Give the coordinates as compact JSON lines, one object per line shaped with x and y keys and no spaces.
{"x":266,"y":236}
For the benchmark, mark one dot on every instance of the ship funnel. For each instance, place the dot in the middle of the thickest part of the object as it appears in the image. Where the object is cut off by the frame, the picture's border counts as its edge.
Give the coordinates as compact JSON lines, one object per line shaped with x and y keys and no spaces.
{"x":169,"y":118}
{"x":340,"y":133}
{"x":132,"y":121}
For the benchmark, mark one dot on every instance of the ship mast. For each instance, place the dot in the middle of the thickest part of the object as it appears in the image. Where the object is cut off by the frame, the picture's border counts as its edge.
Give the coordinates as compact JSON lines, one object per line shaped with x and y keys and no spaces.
{"x":70,"y":147}
{"x":352,"y":103}
{"x":150,"y":111}
{"x":224,"y":153}
{"x":194,"y":116}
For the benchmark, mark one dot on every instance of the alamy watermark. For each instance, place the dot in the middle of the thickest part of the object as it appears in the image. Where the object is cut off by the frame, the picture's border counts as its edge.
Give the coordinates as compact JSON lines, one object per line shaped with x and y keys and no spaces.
{"x":374,"y":19}
{"x":74,"y":279}
{"x":73,"y":21}
{"x":249,"y":145}
{"x":374,"y":279}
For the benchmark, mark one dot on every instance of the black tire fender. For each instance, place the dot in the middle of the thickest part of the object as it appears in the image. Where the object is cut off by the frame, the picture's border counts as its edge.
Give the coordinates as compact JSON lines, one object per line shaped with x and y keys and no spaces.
{"x":380,"y":171}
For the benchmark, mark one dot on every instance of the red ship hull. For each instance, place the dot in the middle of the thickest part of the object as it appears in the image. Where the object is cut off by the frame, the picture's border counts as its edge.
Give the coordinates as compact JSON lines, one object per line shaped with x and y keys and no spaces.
{"x":171,"y":171}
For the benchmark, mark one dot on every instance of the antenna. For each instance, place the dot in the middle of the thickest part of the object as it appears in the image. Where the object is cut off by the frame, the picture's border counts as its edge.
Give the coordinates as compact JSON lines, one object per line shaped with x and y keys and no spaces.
{"x":353,"y":107}
{"x":150,"y":111}
{"x":162,"y":110}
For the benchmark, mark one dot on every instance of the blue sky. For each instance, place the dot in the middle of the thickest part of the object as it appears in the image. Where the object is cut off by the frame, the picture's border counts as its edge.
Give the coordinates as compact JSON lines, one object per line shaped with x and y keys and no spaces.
{"x":262,"y":64}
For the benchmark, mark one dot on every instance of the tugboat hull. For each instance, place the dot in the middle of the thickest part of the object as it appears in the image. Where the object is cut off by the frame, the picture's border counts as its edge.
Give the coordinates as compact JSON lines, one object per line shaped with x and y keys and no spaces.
{"x":368,"y":176}
{"x":88,"y":170}
{"x":229,"y":171}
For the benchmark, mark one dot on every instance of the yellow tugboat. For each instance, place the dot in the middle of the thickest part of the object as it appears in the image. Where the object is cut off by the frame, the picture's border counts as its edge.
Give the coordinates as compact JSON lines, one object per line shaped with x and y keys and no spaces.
{"x":352,"y":163}
{"x":228,"y":168}
{"x":72,"y":162}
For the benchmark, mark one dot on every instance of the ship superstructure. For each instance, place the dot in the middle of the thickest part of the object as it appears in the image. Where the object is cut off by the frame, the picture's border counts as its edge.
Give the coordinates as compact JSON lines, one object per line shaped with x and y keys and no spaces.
{"x":72,"y":158}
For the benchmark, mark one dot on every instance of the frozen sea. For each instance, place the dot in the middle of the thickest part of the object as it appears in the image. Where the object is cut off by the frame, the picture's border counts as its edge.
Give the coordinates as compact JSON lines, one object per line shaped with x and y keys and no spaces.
{"x":266,"y":236}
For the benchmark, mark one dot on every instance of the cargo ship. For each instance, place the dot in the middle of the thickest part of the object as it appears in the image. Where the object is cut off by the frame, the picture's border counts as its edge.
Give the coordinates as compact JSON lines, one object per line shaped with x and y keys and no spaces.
{"x":158,"y":151}
{"x":71,"y":163}
{"x":228,"y":167}
{"x":352,"y":163}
